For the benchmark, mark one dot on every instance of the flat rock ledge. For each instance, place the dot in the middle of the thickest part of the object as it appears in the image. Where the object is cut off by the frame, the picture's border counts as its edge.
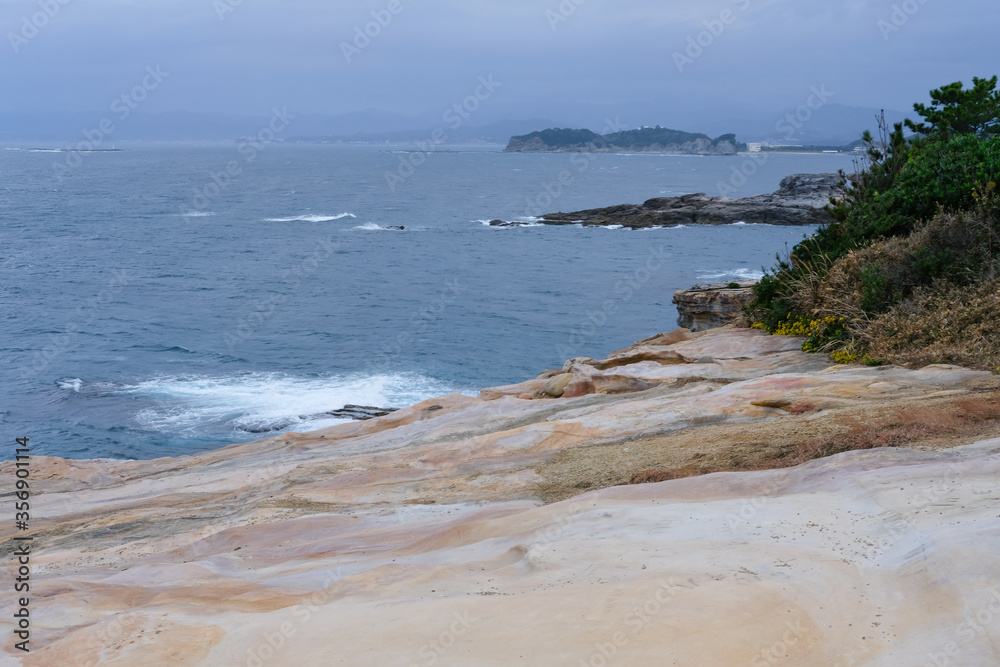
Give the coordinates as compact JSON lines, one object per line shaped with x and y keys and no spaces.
{"x":712,"y":305}
{"x":428,"y":536}
{"x":798,"y":201}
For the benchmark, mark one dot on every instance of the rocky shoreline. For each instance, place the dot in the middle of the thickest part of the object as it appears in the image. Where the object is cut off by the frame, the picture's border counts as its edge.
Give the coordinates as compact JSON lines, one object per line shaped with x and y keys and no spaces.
{"x":529,"y":525}
{"x":800,"y":200}
{"x":712,"y":305}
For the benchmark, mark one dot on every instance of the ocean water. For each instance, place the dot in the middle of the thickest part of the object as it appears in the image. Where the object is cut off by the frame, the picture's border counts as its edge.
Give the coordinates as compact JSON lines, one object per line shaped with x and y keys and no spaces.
{"x":169,"y":299}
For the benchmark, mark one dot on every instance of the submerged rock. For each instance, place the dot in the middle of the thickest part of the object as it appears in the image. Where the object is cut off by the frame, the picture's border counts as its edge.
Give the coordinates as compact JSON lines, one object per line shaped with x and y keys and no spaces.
{"x":356,"y":412}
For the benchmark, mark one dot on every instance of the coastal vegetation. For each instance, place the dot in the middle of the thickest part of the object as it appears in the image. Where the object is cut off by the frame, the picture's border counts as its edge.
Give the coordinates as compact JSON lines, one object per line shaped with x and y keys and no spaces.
{"x":652,"y":139}
{"x":909,"y":270}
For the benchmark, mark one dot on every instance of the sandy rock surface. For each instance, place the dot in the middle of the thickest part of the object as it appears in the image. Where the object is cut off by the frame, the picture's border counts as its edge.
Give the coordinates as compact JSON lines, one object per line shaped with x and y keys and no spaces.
{"x":424,"y":537}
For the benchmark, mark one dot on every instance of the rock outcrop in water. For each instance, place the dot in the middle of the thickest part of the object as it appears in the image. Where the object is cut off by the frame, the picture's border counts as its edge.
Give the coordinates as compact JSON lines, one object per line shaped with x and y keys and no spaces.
{"x":712,"y":305}
{"x":799,"y":201}
{"x":642,"y":140}
{"x":502,"y":529}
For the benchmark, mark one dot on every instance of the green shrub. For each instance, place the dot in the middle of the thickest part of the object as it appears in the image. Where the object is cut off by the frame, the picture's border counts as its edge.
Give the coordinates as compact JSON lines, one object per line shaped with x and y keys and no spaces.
{"x":920,"y":217}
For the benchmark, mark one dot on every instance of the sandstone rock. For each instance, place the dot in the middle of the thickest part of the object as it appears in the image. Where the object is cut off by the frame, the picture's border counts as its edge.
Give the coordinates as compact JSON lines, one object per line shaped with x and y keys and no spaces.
{"x":584,"y":379}
{"x":528,"y":387}
{"x":556,"y":386}
{"x":579,"y":361}
{"x":662,"y":354}
{"x":712,"y":305}
{"x":419,"y":533}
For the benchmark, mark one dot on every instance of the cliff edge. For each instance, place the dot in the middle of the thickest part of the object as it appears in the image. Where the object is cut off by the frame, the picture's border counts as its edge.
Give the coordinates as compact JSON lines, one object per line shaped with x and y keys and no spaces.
{"x":529,"y":525}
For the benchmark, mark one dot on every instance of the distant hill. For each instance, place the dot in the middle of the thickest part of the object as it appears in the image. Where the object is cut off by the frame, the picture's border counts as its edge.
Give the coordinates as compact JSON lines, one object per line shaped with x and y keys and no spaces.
{"x":643,"y":140}
{"x":493,"y":133}
{"x":830,"y":125}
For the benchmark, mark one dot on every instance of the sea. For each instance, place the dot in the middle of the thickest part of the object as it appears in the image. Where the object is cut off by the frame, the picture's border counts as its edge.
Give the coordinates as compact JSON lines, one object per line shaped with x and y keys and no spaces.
{"x":168,"y":299}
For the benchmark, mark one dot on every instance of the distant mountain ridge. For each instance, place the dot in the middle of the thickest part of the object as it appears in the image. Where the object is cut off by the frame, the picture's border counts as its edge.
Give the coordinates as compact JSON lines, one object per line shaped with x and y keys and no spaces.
{"x":831,"y":125}
{"x":643,"y":140}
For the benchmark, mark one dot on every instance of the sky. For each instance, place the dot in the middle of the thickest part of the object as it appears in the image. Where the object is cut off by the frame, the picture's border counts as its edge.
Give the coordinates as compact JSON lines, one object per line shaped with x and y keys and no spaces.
{"x":539,"y":56}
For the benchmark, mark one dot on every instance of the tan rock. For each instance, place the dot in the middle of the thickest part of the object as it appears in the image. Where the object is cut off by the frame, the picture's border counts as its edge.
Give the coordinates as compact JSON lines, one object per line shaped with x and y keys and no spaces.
{"x":712,"y":305}
{"x":421,"y":536}
{"x":528,"y":387}
{"x":556,"y":386}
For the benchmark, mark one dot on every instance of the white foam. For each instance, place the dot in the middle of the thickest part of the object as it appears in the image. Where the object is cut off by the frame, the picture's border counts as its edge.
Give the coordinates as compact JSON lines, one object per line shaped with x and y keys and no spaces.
{"x":518,"y":222}
{"x":74,"y":384}
{"x":312,"y":218}
{"x":269,"y":401}
{"x":197,"y":214}
{"x":734,"y":274}
{"x":371,"y":226}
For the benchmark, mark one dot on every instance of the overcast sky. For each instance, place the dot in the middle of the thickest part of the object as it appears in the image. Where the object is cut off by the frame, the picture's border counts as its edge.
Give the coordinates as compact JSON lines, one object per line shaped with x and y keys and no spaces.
{"x":249,"y":56}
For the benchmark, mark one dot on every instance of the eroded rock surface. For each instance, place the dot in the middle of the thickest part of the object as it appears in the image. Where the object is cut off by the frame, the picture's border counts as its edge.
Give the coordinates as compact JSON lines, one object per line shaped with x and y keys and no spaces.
{"x":798,"y":201}
{"x":422,"y":536}
{"x":712,"y":305}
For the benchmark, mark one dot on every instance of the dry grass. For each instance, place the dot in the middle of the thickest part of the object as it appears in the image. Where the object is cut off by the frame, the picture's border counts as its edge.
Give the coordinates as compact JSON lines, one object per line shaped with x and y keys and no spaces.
{"x":953,"y":325}
{"x":954,"y":320}
{"x":776,"y":443}
{"x":663,"y":475}
{"x":909,"y":425}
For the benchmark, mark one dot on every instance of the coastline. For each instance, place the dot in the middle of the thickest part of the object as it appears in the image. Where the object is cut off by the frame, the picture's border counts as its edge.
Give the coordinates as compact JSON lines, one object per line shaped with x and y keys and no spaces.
{"x":459,"y":514}
{"x":800,"y":200}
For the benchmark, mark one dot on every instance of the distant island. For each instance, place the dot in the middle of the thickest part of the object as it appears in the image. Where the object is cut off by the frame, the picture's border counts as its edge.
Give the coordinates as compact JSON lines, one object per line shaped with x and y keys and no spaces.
{"x":643,"y":140}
